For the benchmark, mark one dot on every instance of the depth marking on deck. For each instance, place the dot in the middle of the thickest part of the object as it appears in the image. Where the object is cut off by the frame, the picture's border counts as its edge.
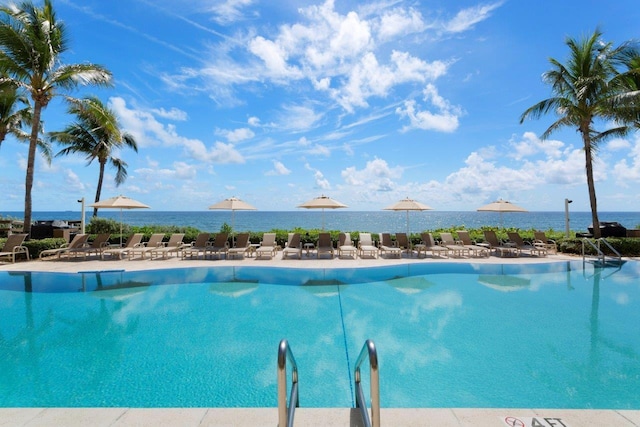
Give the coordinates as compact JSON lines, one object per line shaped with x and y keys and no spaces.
{"x":534,"y":422}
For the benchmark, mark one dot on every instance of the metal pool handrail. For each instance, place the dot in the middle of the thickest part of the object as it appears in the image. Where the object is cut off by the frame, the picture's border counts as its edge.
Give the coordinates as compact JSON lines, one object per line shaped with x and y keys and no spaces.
{"x":285,"y":415}
{"x":600,"y":253}
{"x":368,"y":349}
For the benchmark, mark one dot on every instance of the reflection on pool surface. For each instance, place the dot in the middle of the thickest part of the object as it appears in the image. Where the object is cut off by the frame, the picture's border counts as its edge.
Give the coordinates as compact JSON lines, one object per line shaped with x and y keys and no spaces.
{"x":448,"y":335}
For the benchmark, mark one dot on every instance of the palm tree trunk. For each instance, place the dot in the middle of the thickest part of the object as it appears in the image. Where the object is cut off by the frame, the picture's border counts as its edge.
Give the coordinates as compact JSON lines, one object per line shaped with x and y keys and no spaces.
{"x":591,"y":186}
{"x":99,"y":188}
{"x":33,"y":143}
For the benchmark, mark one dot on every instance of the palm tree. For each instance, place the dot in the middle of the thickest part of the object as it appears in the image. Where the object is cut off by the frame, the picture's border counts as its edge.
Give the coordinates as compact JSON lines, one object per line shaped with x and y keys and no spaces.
{"x":32,"y":41}
{"x":586,"y":89}
{"x":12,"y":116}
{"x":97,"y":134}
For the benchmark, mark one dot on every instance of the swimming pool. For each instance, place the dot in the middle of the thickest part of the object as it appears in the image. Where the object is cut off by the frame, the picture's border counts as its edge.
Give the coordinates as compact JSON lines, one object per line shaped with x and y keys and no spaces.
{"x":551,"y":335}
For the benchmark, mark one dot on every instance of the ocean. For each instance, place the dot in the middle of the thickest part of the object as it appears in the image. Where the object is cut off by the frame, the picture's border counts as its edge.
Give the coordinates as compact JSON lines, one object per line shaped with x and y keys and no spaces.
{"x":345,"y":220}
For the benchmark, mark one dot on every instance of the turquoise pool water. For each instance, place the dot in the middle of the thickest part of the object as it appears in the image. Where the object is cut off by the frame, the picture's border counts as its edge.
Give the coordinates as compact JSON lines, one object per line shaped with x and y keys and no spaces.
{"x":551,"y":335}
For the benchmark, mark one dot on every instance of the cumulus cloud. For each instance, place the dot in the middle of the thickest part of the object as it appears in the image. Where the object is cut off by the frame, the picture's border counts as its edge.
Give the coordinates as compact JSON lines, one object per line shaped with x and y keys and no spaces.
{"x":320,"y":181}
{"x":148,"y":132}
{"x":173,"y":114}
{"x":400,"y":22}
{"x":444,"y":119}
{"x":180,"y":170}
{"x":376,"y":176}
{"x":278,"y":169}
{"x":627,"y":170}
{"x":236,"y":135}
{"x":335,"y":53}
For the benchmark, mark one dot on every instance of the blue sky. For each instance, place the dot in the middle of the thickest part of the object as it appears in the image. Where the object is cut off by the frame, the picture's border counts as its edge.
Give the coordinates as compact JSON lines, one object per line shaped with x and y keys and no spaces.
{"x":367,"y":102}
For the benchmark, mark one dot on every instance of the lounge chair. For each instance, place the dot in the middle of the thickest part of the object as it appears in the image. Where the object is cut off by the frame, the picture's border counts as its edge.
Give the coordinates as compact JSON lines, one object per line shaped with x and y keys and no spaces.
{"x":429,"y":245}
{"x":134,"y":241}
{"x":13,"y":246}
{"x":345,"y":246}
{"x":100,"y":243}
{"x":541,"y":240}
{"x":268,"y":247}
{"x":220,"y":245}
{"x":526,"y":247}
{"x":403,"y":243}
{"x":474,"y":249}
{"x":155,"y":241}
{"x":387,"y":247}
{"x":173,"y":246}
{"x":325,"y":245}
{"x":366,"y":247}
{"x":455,"y":248}
{"x":78,"y":241}
{"x":498,"y":247}
{"x":294,"y":247}
{"x":241,"y":248}
{"x":197,"y":247}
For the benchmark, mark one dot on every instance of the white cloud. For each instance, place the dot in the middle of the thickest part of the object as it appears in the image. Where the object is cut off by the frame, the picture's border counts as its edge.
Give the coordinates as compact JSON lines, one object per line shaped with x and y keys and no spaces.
{"x":467,"y":18}
{"x":627,"y":170}
{"x":229,"y":11}
{"x":376,"y":176}
{"x":298,"y":118}
{"x":278,"y":169}
{"x":73,"y":182}
{"x":445,"y":119}
{"x":320,"y":181}
{"x":253,"y":121}
{"x":236,"y":135}
{"x":180,"y":170}
{"x":334,"y":53}
{"x":530,"y":145}
{"x":618,"y":144}
{"x":149,"y":132}
{"x":173,"y":114}
{"x":400,"y":22}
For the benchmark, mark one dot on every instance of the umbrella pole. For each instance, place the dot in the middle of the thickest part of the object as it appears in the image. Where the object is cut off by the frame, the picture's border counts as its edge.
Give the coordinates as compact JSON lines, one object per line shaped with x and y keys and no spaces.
{"x":322,"y":219}
{"x":120,"y":227}
{"x":233,"y":232}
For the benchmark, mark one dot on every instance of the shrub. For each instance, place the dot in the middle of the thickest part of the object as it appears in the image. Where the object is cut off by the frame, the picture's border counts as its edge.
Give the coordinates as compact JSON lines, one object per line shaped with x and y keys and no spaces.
{"x":106,"y":225}
{"x":37,"y":246}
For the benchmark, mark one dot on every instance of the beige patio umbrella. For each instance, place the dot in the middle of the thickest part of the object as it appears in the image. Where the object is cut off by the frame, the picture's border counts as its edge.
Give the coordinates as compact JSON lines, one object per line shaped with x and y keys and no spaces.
{"x":233,"y":204}
{"x":323,"y":202}
{"x":408,"y":205}
{"x":119,"y":202}
{"x":501,"y":206}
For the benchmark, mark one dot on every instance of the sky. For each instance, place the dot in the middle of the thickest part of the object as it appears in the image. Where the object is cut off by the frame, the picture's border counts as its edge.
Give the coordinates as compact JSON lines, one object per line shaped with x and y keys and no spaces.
{"x":367,"y":102}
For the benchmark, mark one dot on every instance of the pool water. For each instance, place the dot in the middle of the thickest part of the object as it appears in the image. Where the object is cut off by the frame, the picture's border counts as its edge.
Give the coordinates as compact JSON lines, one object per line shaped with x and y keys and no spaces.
{"x":551,"y":335}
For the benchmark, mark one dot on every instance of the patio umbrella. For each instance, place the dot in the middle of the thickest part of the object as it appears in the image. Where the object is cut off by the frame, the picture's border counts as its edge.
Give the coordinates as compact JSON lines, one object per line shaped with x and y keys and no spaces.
{"x":501,"y":206}
{"x":119,"y":202}
{"x":408,"y":205}
{"x":323,"y":202}
{"x":233,"y":204}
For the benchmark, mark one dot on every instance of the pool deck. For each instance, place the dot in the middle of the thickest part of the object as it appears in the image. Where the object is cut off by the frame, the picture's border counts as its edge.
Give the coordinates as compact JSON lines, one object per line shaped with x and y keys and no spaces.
{"x":252,"y":417}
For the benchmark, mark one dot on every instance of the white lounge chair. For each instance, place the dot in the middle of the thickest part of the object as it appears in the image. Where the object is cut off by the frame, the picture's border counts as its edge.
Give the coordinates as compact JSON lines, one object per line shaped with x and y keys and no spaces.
{"x":294,"y":247}
{"x":155,"y":241}
{"x":78,"y":241}
{"x":366,"y":247}
{"x":345,"y":246}
{"x":455,"y":248}
{"x":133,"y":241}
{"x":13,"y":247}
{"x":268,"y":247}
{"x":429,"y":245}
{"x":474,"y":249}
{"x":99,"y":244}
{"x":173,"y":246}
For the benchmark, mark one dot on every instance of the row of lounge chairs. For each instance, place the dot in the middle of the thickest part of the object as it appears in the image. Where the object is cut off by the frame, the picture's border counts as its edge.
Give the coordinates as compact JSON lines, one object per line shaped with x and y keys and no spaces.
{"x":268,"y":247}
